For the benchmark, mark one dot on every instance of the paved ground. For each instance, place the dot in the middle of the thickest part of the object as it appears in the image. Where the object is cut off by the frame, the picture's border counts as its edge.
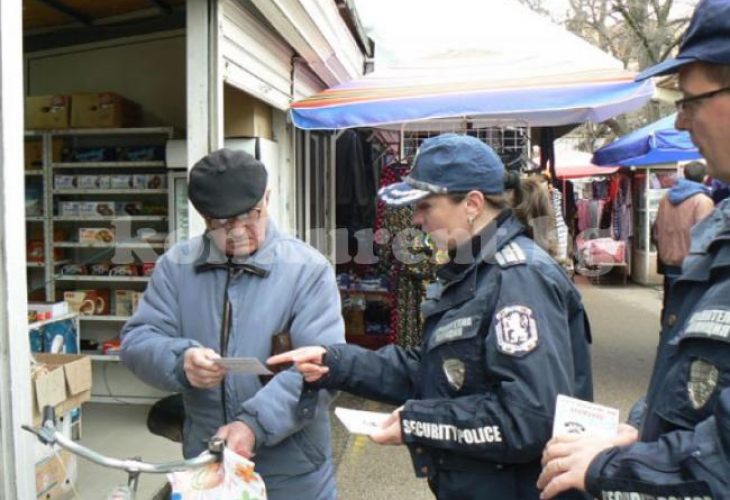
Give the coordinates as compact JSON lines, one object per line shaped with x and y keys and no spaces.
{"x":625,"y":332}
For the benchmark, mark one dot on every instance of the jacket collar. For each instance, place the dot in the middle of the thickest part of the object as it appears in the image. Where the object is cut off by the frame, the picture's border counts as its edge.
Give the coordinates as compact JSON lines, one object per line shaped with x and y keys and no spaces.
{"x":258,"y":264}
{"x":484,"y":246}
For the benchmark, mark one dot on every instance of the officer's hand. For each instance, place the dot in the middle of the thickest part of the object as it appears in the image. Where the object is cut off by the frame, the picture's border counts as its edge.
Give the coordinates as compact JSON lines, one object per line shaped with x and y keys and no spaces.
{"x":627,"y":435}
{"x":239,"y":438}
{"x":565,"y":462}
{"x":307,"y":361}
{"x":390,"y":431}
{"x":200,"y":370}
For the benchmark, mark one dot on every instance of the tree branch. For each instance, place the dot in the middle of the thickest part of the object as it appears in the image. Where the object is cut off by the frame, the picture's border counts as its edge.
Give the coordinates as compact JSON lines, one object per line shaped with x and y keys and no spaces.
{"x":631,"y":22}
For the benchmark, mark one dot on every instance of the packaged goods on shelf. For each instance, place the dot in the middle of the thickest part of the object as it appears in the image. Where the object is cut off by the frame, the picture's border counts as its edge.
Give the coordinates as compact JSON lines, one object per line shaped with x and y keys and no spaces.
{"x":142,"y":153}
{"x":121,"y":181}
{"x":128,"y":207}
{"x":97,"y":234}
{"x":33,"y":200}
{"x":96,"y":154}
{"x":97,"y":209}
{"x":126,"y":302}
{"x":69,"y":208}
{"x":65,"y":182}
{"x":94,"y":302}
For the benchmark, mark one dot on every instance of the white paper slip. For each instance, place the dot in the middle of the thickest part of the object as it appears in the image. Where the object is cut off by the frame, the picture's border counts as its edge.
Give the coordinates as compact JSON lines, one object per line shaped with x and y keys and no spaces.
{"x":360,"y":421}
{"x":248,"y":366}
{"x":576,"y":417}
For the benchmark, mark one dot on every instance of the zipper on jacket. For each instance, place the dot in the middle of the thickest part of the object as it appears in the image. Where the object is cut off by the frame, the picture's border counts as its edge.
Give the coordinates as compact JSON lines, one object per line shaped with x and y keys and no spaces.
{"x":225,"y":333}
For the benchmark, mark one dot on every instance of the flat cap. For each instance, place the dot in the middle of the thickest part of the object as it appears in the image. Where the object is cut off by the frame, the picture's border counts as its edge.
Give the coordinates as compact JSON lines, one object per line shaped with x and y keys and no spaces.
{"x":226,"y":183}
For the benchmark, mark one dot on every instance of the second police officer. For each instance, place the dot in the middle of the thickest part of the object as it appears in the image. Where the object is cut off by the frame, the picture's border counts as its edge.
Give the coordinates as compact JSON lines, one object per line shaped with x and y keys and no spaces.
{"x":683,"y":451}
{"x":505,"y":332}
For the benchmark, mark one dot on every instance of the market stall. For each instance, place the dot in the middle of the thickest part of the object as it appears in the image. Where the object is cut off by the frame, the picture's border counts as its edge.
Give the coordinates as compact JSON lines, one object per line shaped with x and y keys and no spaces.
{"x":493,"y":86}
{"x":653,"y":153}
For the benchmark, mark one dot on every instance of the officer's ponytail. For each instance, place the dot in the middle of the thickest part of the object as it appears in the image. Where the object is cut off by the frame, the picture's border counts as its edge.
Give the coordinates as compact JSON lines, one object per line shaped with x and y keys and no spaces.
{"x":530,"y":203}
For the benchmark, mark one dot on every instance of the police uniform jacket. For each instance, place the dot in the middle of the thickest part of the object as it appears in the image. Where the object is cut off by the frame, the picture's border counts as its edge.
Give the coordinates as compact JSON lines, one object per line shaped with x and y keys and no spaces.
{"x":681,"y":453}
{"x":503,"y":335}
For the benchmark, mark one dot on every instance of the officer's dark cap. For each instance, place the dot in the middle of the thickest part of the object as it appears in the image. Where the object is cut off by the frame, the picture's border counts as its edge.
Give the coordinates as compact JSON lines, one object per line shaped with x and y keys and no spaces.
{"x":226,"y":183}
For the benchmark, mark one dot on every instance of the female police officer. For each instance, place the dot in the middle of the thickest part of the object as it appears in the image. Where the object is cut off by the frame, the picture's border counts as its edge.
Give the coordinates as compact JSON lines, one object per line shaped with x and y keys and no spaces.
{"x":505,"y":332}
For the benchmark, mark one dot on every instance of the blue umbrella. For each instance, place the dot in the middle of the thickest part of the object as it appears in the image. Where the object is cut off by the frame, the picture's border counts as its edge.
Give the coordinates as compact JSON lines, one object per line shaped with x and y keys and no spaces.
{"x":658,"y":142}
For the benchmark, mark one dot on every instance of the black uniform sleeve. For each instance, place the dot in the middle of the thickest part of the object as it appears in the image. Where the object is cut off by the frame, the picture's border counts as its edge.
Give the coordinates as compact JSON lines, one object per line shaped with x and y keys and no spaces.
{"x":529,"y":361}
{"x":681,"y":464}
{"x":389,"y":375}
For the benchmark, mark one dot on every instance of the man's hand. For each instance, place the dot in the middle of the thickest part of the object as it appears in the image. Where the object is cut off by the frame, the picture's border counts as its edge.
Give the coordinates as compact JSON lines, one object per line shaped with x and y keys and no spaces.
{"x":200,"y":370}
{"x":239,"y":438}
{"x":390,"y":432}
{"x":307,"y":361}
{"x":566,"y":459}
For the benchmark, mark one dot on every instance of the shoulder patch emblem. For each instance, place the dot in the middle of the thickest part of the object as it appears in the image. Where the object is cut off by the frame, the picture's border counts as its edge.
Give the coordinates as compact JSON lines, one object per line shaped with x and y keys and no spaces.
{"x":516,"y":330}
{"x":510,"y":255}
{"x":702,"y":382}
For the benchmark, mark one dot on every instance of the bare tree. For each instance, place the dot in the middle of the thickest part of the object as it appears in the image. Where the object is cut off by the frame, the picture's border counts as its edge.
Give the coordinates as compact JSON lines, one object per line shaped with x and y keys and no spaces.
{"x":639,"y":33}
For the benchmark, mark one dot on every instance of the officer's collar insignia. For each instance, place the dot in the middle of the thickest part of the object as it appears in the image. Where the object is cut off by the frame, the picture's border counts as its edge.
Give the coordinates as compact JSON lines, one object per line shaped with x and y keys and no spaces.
{"x":516,"y":330}
{"x":703,"y":377}
{"x":510,"y":255}
{"x":455,"y":370}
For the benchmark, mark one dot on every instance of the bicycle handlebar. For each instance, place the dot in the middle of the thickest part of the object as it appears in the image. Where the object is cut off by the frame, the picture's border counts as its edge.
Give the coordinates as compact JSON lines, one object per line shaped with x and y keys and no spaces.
{"x":48,"y":434}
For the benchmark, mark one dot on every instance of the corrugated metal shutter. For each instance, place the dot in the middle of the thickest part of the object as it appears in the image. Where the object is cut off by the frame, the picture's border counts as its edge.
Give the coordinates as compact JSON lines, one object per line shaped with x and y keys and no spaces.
{"x":255,"y":59}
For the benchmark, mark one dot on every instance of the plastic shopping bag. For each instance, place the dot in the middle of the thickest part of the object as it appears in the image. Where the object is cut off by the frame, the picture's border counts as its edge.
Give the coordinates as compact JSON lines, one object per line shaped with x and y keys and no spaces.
{"x":233,"y":479}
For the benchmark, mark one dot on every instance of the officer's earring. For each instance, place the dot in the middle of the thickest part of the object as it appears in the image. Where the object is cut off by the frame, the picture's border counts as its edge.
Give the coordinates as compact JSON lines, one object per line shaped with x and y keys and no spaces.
{"x":470,"y":220}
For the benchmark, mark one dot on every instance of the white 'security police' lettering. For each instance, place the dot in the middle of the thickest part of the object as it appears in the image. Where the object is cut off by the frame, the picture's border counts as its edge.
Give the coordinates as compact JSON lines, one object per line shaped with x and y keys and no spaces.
{"x":452,"y":330}
{"x":633,"y":495}
{"x":709,"y":323}
{"x":447,"y":432}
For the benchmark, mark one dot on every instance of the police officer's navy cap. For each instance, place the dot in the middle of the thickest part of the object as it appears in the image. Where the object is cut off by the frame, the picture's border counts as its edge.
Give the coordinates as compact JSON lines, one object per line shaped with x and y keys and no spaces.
{"x":226,"y":183}
{"x":707,"y":39}
{"x":448,"y":163}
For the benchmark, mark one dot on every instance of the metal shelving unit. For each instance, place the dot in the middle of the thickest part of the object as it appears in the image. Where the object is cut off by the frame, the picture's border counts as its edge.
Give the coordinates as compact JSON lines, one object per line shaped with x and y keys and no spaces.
{"x":105,"y":279}
{"x":121,"y":165}
{"x":97,"y":327}
{"x":140,"y":244}
{"x":105,"y":318}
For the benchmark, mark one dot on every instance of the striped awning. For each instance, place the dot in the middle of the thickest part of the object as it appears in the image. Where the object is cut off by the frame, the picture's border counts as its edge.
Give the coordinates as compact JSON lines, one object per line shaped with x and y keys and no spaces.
{"x":500,"y":90}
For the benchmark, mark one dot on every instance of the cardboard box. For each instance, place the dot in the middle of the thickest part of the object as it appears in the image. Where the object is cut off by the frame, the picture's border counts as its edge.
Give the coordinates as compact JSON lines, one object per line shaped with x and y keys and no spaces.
{"x":65,"y":386}
{"x":47,"y":112}
{"x":34,"y":153}
{"x":55,"y":475}
{"x":245,"y":116}
{"x":103,"y":110}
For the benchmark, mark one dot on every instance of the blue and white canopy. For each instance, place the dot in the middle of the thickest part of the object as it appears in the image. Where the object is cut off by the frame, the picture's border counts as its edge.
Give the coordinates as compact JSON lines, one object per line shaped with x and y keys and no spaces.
{"x":658,"y":142}
{"x":490,"y":62}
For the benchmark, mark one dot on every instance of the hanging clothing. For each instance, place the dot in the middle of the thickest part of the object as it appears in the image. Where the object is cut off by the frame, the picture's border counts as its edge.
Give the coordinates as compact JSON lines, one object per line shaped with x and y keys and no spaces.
{"x":407,"y":274}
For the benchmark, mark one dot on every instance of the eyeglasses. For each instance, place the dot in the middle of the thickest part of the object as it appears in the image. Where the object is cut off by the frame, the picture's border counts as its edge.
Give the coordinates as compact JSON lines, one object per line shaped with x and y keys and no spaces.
{"x":250,"y":217}
{"x":689,"y":105}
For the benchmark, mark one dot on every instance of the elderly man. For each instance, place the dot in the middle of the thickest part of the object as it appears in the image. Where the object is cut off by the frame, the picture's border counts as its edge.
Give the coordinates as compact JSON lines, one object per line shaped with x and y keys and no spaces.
{"x":683,"y":449}
{"x":228,"y":293}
